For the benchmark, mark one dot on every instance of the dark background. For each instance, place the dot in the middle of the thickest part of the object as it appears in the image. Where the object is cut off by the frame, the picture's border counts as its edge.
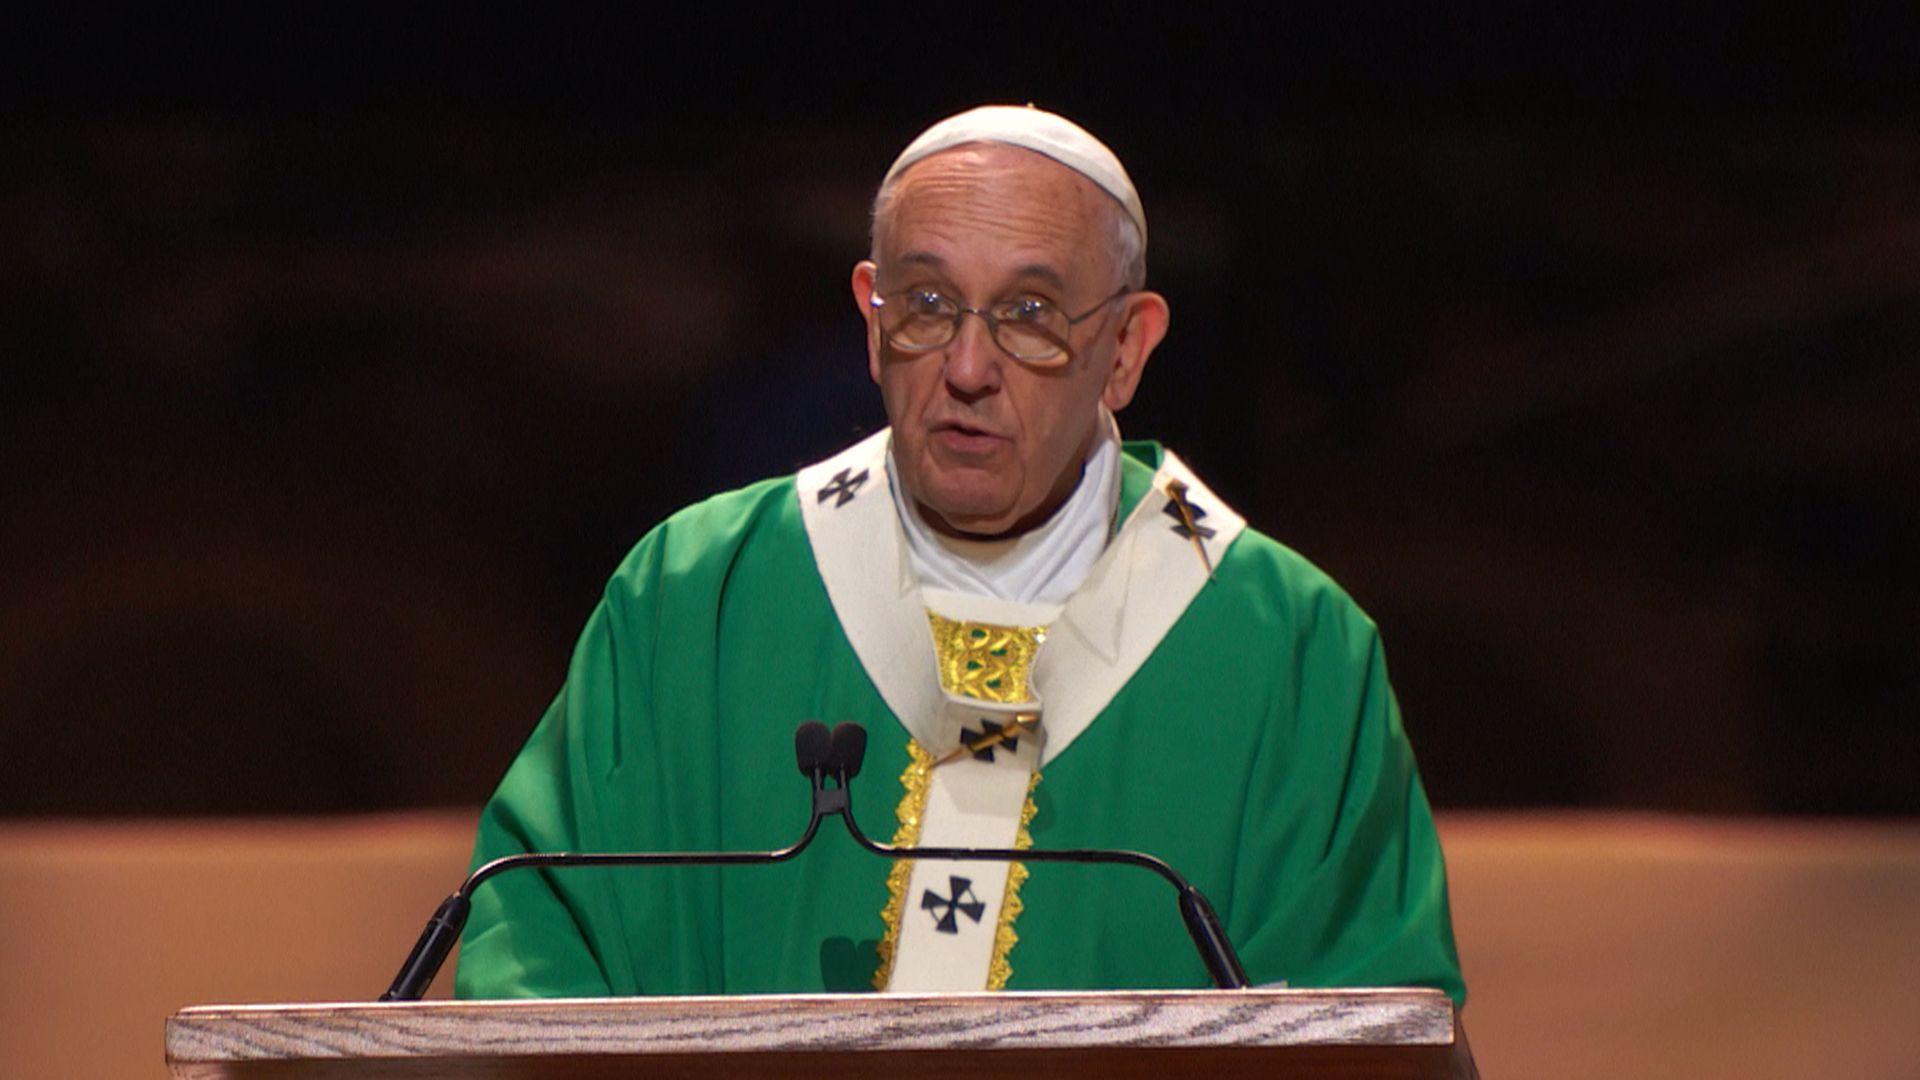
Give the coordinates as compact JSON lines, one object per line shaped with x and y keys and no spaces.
{"x":343,"y":354}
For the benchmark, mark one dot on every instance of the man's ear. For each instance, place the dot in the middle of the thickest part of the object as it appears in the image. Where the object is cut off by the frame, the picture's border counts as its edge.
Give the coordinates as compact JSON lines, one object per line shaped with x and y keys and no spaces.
{"x":863,"y":272}
{"x":1141,"y":329}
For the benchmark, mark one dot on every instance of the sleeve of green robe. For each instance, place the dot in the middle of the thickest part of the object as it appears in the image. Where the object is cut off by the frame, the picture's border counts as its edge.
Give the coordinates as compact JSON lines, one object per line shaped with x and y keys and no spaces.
{"x":535,"y":933}
{"x":1349,"y":888}
{"x":540,"y":949}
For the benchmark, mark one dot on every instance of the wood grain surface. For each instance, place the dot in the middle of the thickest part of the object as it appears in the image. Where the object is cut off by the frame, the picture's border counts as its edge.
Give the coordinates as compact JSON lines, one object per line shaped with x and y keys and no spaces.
{"x":1133,"y":1033}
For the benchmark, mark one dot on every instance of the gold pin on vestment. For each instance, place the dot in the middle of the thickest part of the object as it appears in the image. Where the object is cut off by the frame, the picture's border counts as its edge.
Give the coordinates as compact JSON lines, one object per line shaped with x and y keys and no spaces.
{"x":1021,"y":724}
{"x":1177,"y":491}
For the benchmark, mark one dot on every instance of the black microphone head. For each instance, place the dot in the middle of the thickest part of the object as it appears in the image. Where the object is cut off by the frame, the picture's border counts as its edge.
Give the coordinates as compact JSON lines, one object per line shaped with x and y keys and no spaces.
{"x":849,"y":747}
{"x":813,"y":747}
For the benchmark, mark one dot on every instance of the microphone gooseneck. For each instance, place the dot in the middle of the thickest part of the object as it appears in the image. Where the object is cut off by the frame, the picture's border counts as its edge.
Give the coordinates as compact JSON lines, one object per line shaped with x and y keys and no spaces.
{"x":822,"y":756}
{"x":814,"y":752}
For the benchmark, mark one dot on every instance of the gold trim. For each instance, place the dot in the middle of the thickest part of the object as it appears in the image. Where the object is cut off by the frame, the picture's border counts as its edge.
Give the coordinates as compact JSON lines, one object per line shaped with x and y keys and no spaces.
{"x":917,"y":780}
{"x":1004,"y":938}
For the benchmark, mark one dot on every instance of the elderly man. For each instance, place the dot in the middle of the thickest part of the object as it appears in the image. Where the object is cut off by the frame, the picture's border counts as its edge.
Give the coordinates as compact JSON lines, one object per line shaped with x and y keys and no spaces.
{"x":1053,"y":638}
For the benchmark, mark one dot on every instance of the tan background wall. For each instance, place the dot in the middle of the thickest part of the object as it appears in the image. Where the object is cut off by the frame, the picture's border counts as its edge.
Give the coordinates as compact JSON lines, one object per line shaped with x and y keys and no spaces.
{"x":1640,"y":946}
{"x":1595,"y":945}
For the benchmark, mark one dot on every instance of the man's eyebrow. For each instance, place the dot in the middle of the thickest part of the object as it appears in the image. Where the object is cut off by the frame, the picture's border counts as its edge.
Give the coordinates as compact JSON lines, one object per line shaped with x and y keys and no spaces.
{"x":1043,"y":272}
{"x":1030,"y":272}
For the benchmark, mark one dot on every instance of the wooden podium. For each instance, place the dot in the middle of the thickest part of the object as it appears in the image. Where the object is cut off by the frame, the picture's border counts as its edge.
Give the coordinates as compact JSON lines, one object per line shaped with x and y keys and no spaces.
{"x":1157,"y":1034}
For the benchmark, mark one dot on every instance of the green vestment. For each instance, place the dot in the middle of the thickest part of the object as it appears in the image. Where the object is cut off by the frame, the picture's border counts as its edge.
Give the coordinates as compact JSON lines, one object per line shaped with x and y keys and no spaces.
{"x":1258,"y":749}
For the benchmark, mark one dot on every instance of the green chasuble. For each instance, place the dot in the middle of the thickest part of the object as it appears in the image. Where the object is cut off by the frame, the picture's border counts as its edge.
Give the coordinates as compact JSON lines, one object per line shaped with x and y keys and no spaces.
{"x":1257,"y":748}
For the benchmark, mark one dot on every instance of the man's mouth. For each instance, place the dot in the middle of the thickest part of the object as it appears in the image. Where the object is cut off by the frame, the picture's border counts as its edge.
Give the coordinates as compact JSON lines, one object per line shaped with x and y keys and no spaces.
{"x":962,"y":437}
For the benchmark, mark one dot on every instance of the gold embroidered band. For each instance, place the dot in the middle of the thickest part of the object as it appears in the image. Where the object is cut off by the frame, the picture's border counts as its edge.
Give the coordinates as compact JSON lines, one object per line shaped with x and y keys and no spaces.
{"x":999,"y":970}
{"x":983,"y":661}
{"x":917,"y":778}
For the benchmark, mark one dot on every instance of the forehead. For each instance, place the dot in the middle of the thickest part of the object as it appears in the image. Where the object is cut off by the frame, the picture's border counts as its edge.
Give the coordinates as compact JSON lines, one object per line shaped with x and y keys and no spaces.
{"x":993,"y":209}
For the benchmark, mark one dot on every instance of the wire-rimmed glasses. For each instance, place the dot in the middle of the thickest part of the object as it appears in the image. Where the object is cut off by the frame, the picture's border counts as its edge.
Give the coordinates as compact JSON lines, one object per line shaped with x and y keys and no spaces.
{"x":1031,"y":329}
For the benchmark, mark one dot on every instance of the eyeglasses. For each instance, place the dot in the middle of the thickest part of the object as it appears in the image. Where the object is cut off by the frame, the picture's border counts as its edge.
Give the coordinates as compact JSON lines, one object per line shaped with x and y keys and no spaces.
{"x":1028,"y":328}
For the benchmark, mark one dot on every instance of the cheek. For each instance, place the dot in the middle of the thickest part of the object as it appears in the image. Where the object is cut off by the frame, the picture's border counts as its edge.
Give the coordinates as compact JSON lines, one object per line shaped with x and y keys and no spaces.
{"x":1061,"y":409}
{"x":904,"y":385}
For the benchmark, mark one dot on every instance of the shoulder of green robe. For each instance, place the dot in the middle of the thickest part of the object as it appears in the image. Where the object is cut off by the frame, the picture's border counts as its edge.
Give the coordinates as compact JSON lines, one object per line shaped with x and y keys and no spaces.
{"x":1265,"y":574}
{"x":707,"y":536}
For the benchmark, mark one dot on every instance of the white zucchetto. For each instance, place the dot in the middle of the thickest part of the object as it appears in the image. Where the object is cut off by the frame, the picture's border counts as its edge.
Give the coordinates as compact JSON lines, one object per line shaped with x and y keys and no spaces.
{"x":1032,"y":129}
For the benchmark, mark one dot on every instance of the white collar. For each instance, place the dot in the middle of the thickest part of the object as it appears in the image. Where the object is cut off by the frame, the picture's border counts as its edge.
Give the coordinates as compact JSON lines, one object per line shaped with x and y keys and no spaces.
{"x":1044,"y":565}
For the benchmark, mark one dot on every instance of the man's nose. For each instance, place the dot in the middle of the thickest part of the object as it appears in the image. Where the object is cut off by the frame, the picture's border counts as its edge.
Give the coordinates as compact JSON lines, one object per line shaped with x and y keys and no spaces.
{"x":973,"y":359}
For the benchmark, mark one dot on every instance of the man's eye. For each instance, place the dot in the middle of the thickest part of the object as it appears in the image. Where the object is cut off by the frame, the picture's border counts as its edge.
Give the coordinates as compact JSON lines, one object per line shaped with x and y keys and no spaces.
{"x":925,"y":302}
{"x":1026,"y":309}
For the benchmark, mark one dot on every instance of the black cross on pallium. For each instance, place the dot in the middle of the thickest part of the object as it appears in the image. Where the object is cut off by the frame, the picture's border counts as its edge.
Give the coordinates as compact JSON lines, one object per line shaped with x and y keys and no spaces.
{"x":1180,"y":524}
{"x":962,"y":901}
{"x":969,"y":737}
{"x":842,"y":488}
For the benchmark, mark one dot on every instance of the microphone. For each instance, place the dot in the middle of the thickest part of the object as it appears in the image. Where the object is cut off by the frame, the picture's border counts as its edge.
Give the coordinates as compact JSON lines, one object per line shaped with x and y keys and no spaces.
{"x":849,"y":750}
{"x":821,"y":756}
{"x":1210,"y":939}
{"x":812,"y":747}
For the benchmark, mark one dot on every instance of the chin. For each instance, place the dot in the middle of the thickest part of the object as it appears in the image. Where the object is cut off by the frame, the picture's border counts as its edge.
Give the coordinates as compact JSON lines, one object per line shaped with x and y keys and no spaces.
{"x":969,"y":509}
{"x":973,"y":517}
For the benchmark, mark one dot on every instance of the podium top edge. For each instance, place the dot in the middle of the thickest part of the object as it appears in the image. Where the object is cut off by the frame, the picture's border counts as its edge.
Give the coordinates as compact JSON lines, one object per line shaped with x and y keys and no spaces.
{"x":884,"y":1031}
{"x":813,"y":1023}
{"x":1414,"y":996}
